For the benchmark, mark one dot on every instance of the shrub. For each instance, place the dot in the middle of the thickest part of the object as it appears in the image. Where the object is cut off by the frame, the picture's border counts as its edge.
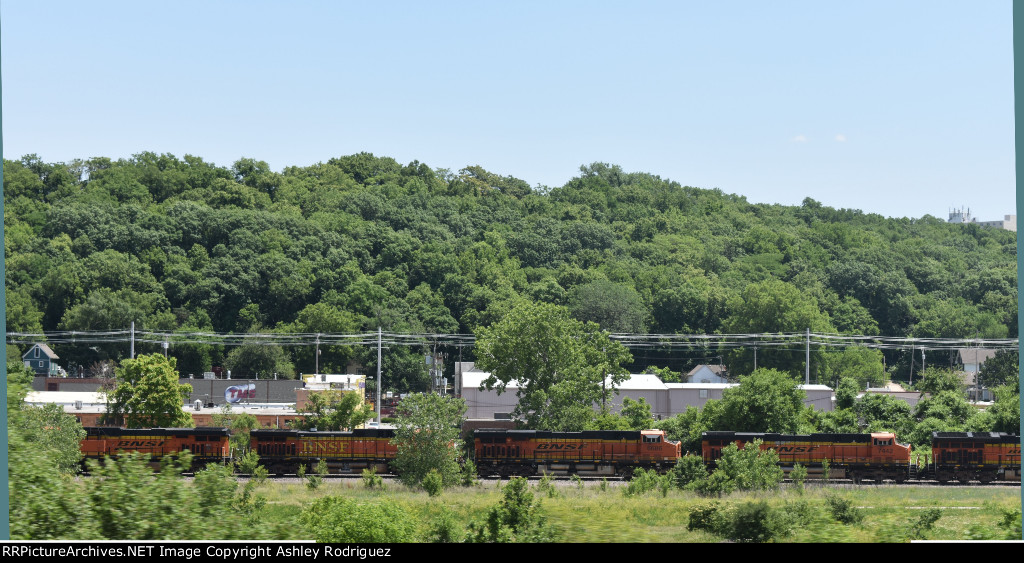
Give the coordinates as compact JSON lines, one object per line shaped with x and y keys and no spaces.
{"x":925,"y":522}
{"x":341,"y":520}
{"x":1011,"y":523}
{"x":371,"y":480}
{"x":842,"y":509}
{"x":642,"y":482}
{"x":755,"y":522}
{"x":248,"y":462}
{"x":689,"y":469}
{"x":707,"y":517}
{"x":516,"y":518}
{"x":468,"y":473}
{"x":445,"y":528}
{"x":798,"y":475}
{"x":433,"y":483}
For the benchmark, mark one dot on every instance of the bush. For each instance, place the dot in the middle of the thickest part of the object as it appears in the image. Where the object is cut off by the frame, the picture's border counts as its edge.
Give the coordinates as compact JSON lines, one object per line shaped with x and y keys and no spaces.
{"x":925,"y":522}
{"x":371,"y":480}
{"x":707,"y":517}
{"x":516,"y":518}
{"x":248,"y":462}
{"x":798,"y":475}
{"x":340,"y":520}
{"x":445,"y":529}
{"x":755,"y":522}
{"x":642,"y":482}
{"x":468,"y":473}
{"x":1011,"y":523}
{"x":433,"y":483}
{"x":689,"y":469}
{"x":842,"y":509}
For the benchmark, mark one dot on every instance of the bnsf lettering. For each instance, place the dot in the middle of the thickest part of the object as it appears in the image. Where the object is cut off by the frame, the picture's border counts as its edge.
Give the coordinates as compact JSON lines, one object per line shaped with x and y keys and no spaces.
{"x":140,"y":443}
{"x":795,"y":449}
{"x":323,"y":447}
{"x":559,"y":446}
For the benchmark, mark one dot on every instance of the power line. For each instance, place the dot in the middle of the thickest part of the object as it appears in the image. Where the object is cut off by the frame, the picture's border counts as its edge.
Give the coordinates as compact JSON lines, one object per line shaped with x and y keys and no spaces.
{"x":777,"y":341}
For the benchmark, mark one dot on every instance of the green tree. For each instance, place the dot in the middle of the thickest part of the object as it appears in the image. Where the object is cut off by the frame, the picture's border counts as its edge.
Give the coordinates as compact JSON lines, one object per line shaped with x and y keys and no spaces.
{"x":559,"y":364}
{"x":615,"y":308}
{"x":637,"y":413}
{"x":427,"y":434}
{"x":260,"y":362}
{"x":148,"y":394}
{"x":776,"y":307}
{"x":1001,"y":369}
{"x":880,"y":412}
{"x":767,"y":400}
{"x":936,"y":380}
{"x":333,"y":410}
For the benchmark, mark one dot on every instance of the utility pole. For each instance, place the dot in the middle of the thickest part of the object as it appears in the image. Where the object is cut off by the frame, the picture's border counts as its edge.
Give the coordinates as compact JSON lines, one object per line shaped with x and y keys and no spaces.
{"x":378,"y":375}
{"x":807,"y":362}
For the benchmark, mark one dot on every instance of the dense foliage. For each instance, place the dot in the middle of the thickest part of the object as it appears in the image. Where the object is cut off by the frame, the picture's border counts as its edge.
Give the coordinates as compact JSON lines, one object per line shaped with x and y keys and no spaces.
{"x":360,"y":242}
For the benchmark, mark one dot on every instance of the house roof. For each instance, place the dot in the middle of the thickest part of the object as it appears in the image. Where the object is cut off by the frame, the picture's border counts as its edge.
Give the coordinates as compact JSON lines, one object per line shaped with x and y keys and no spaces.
{"x":46,"y":350}
{"x":974,"y":355}
{"x":717,"y":369}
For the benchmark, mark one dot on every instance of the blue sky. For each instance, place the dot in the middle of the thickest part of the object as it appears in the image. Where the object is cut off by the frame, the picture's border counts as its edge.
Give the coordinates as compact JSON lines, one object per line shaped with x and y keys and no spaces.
{"x":902,"y":109}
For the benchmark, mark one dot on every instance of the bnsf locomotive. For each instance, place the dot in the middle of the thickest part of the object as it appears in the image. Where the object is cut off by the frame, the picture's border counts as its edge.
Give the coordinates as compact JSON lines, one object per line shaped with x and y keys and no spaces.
{"x":207,"y":445}
{"x":282,"y":451}
{"x":974,"y":456}
{"x":599,"y":452}
{"x":876,"y":456}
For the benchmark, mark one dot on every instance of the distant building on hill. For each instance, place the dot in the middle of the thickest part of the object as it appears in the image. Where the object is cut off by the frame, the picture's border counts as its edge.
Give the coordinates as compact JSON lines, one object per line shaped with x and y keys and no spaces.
{"x":1009,"y":222}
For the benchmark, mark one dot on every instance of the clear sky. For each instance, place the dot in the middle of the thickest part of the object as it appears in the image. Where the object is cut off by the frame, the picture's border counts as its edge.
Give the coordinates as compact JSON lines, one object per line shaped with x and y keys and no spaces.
{"x":900,"y":108}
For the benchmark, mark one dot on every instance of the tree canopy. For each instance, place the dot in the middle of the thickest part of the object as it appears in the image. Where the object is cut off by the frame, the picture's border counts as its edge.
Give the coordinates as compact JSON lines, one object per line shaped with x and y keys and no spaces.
{"x":148,"y":394}
{"x":427,"y":434}
{"x":560,"y":367}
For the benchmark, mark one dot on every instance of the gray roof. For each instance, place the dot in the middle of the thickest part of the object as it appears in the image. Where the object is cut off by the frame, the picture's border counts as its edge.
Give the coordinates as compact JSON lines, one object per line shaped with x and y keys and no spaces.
{"x":974,"y":355}
{"x":46,"y":350}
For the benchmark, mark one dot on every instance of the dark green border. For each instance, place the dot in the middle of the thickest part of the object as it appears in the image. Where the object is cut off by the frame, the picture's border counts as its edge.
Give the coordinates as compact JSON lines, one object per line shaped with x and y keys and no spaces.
{"x":1018,"y":86}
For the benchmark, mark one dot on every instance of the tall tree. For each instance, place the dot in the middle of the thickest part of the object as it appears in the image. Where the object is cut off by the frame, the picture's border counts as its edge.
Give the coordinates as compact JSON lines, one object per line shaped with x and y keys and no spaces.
{"x":427,"y":434}
{"x":148,"y":394}
{"x":767,"y":400}
{"x":562,"y":367}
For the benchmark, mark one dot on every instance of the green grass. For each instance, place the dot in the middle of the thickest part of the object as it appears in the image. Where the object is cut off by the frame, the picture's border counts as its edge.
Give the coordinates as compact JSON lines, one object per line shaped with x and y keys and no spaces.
{"x":592,"y":515}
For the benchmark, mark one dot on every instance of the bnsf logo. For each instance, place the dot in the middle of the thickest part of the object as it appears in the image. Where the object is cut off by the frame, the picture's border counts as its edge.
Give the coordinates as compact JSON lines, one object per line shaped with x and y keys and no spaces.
{"x":795,"y":449}
{"x":140,"y":443}
{"x":559,"y":446}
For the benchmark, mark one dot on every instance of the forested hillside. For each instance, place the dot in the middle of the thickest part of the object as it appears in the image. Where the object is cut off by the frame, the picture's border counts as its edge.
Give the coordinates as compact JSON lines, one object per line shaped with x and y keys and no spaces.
{"x":362,"y":242}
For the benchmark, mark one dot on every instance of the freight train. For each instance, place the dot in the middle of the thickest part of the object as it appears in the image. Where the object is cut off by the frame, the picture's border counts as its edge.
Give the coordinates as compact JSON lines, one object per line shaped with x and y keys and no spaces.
{"x":876,"y":457}
{"x":970,"y":456}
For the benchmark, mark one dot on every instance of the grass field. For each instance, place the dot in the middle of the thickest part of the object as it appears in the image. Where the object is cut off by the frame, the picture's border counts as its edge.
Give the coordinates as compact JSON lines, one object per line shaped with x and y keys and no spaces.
{"x":596,"y":512}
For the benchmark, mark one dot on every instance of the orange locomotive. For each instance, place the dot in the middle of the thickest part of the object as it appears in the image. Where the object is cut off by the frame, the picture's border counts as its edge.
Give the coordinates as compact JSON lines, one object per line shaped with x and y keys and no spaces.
{"x":598,"y":452}
{"x":974,"y":456}
{"x":207,"y":445}
{"x":877,"y":456}
{"x":282,"y":451}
